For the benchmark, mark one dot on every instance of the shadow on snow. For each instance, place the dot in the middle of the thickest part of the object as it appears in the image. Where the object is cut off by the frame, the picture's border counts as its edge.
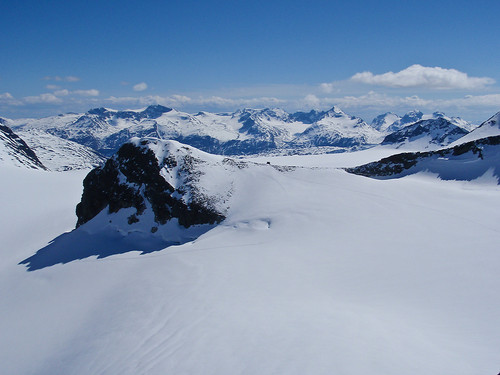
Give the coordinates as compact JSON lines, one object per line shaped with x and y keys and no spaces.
{"x":80,"y":244}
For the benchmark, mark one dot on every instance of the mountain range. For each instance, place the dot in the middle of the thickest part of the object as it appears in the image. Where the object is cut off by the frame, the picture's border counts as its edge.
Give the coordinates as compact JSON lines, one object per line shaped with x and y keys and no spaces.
{"x":72,"y":141}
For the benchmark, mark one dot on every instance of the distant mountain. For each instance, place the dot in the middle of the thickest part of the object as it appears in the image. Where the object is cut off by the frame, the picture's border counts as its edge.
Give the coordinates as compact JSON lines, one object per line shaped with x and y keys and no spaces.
{"x":385,"y":121}
{"x":247,"y":131}
{"x":467,"y":161}
{"x":424,"y":134}
{"x":14,"y":151}
{"x":243,"y":132}
{"x":390,"y":122}
{"x":336,"y":128}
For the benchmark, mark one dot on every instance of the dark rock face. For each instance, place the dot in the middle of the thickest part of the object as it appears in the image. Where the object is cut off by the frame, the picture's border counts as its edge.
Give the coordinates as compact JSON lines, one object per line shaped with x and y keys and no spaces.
{"x":129,"y":179}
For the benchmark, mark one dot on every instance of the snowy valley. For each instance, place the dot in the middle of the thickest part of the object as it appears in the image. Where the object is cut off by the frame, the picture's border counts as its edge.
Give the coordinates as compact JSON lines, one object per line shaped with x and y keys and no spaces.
{"x":253,"y":242}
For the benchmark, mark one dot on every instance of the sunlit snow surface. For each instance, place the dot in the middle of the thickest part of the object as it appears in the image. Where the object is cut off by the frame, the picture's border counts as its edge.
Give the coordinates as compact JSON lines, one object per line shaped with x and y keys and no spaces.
{"x":314,"y":271}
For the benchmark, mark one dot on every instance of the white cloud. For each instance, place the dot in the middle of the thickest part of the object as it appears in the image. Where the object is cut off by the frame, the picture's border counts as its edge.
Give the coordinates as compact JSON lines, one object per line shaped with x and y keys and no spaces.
{"x":469,"y":101}
{"x":63,"y":92}
{"x":179,"y":101}
{"x":422,"y":76}
{"x":171,"y":101}
{"x":62,"y":79}
{"x":52,"y":87}
{"x":218,"y":101}
{"x":327,"y":88}
{"x":312,"y":101}
{"x":6,"y":99}
{"x":71,"y":79}
{"x":140,"y":86}
{"x":6,"y":96}
{"x":43,"y":98}
{"x":91,"y":92}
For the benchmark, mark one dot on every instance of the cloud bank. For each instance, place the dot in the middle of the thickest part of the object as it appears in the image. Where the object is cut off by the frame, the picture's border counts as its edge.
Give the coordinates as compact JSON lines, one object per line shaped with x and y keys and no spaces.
{"x":427,"y":77}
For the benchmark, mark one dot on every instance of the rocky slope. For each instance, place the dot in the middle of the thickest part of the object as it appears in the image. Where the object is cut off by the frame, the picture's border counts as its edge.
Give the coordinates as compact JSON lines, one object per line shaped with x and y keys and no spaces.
{"x":423,"y":134}
{"x":15,"y":151}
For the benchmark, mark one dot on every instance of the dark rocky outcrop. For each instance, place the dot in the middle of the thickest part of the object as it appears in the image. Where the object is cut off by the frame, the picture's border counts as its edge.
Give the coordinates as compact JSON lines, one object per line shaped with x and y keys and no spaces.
{"x":131,"y":178}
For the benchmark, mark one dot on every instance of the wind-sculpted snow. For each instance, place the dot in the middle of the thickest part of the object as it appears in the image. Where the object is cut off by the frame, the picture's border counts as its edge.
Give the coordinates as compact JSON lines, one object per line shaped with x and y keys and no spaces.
{"x":467,"y":161}
{"x":148,"y":196}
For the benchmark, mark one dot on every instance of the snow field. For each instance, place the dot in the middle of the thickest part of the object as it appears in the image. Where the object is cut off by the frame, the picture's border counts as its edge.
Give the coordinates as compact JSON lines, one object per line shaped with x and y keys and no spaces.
{"x":314,"y":271}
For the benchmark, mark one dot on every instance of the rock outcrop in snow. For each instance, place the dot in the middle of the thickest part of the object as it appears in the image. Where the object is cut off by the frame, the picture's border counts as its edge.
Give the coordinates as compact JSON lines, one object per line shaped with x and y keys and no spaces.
{"x":148,"y":174}
{"x":467,"y":161}
{"x":150,"y":195}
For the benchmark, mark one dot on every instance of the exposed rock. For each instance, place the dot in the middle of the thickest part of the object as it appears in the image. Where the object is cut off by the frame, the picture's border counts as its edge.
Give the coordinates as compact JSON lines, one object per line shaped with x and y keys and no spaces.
{"x":133,"y":178}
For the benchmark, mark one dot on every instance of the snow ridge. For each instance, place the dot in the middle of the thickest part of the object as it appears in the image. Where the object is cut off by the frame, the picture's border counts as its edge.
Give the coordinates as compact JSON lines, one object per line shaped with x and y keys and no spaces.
{"x":467,"y":161}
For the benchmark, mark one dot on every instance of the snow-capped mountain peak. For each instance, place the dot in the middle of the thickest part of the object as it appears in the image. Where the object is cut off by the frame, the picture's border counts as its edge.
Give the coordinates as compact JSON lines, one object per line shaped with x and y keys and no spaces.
{"x":424,"y":134}
{"x":384,"y":121}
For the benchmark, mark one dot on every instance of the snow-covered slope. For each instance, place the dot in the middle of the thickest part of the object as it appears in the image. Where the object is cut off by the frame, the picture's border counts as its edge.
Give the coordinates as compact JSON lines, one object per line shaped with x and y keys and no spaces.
{"x":390,"y":122}
{"x":385,"y":121}
{"x":467,"y":161}
{"x":313,"y":271}
{"x":58,"y":154}
{"x":426,"y":134}
{"x":490,"y":127}
{"x":15,"y":151}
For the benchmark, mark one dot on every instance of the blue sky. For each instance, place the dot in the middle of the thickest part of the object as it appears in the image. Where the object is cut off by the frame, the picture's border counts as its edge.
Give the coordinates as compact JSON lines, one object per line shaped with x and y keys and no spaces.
{"x":60,"y":56}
